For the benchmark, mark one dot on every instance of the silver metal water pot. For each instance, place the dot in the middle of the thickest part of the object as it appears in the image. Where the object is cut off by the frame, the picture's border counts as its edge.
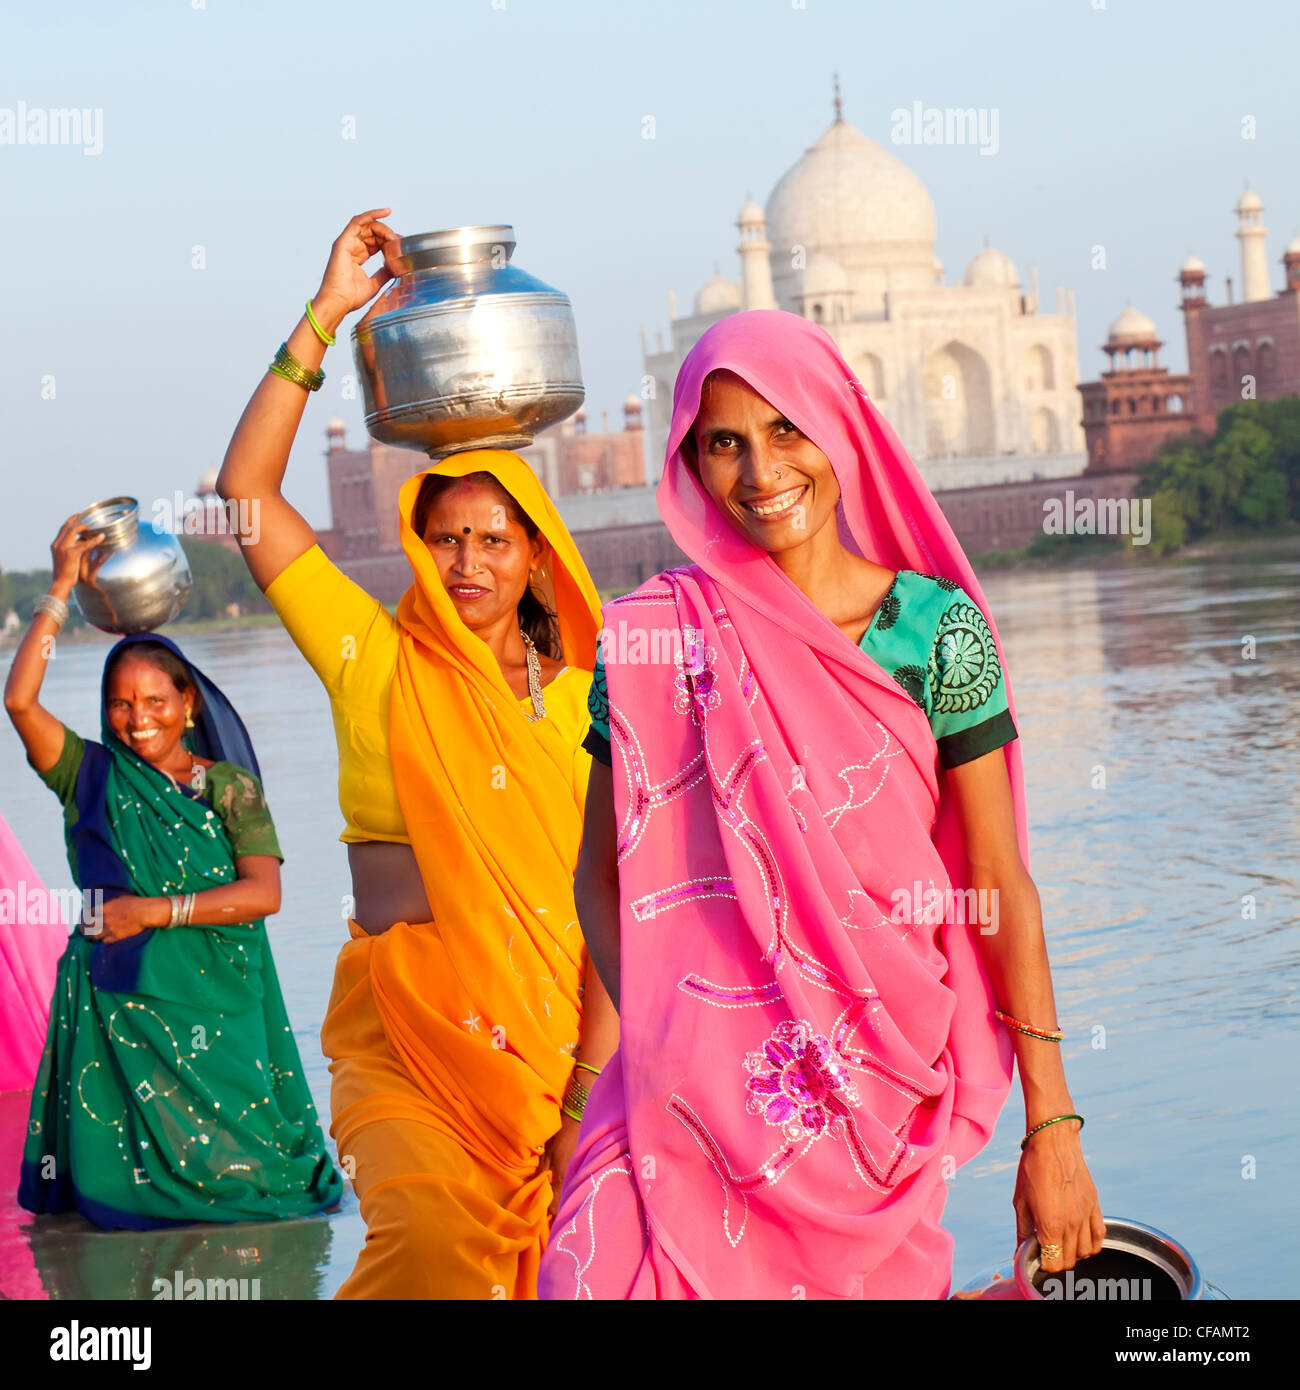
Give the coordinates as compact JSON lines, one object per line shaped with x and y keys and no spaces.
{"x":138,"y":577}
{"x":1137,"y":1263}
{"x":463,"y":350}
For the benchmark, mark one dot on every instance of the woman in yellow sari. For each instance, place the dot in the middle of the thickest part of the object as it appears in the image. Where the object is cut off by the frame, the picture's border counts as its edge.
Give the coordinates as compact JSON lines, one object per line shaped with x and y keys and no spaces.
{"x":457,"y":1027}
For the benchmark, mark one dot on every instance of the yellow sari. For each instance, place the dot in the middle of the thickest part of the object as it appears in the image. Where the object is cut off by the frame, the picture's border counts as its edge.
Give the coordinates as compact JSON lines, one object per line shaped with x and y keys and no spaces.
{"x":452,"y":1040}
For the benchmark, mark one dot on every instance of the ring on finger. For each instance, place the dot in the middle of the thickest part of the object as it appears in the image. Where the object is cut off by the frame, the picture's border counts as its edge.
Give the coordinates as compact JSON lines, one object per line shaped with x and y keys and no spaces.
{"x":1049,"y":1251}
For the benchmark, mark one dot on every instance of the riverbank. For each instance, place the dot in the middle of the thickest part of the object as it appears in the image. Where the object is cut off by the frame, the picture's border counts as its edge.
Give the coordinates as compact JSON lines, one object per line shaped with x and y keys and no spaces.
{"x":1073,"y":552}
{"x":1112,"y":552}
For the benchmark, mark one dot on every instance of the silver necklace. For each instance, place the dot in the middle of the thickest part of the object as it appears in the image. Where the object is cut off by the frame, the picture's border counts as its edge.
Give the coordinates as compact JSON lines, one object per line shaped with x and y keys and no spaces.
{"x":534,"y":679}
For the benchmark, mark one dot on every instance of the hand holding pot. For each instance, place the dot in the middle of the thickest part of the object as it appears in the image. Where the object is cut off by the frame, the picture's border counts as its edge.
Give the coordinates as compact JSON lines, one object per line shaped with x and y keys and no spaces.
{"x":346,"y":286}
{"x":69,"y":553}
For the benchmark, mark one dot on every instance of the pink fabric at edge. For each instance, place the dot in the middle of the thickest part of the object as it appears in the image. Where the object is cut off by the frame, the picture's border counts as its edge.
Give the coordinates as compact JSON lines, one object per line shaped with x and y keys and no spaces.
{"x":29,"y":958}
{"x":799,"y":1069}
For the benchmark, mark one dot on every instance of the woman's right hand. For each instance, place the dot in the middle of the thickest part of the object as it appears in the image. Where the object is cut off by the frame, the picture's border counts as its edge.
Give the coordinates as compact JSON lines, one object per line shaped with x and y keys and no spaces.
{"x":68,"y":552}
{"x":345,"y":286}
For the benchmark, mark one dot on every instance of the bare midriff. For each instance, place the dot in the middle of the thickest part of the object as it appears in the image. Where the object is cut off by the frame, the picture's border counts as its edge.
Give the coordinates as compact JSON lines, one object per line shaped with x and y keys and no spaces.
{"x":386,"y":886}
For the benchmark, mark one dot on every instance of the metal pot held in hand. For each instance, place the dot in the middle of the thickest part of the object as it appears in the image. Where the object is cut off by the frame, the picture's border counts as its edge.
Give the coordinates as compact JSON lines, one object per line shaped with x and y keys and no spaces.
{"x":137,"y":577}
{"x":1136,"y":1262}
{"x":464,"y":350}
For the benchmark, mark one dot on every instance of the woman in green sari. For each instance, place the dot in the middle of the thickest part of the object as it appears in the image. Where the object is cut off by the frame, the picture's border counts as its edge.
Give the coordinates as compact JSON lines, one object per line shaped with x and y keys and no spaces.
{"x":170,"y":1089}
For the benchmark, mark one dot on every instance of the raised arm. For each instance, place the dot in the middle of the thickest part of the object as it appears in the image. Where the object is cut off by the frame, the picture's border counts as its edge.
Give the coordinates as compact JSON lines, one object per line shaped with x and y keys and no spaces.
{"x":42,"y":734}
{"x":254,"y":467}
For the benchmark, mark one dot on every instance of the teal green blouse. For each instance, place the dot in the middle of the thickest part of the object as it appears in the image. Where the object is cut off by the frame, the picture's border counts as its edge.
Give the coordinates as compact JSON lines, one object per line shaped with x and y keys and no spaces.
{"x":932,"y":638}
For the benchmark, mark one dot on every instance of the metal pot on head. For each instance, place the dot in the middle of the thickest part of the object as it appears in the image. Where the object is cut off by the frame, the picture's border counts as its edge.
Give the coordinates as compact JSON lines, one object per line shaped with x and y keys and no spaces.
{"x":464,"y":350}
{"x":137,"y":576}
{"x":1136,"y":1263}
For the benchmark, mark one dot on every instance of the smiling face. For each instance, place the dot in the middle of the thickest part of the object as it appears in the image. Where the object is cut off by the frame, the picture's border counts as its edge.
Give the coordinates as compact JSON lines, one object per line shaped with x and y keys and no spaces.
{"x":485,"y":557}
{"x":771,"y":482}
{"x":146,"y":710}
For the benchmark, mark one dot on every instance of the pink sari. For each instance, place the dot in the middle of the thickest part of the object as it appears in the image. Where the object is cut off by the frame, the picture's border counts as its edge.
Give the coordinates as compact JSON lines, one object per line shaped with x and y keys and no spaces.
{"x":29,"y":958}
{"x":799,"y":1070}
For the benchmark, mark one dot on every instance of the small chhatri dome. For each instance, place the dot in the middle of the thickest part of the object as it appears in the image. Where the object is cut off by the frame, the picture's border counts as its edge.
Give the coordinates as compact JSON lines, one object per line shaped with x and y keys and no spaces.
{"x":633,"y":401}
{"x":717,"y":296}
{"x":1193,"y":265}
{"x":750,"y":214}
{"x":208,"y":483}
{"x":1132,"y":325}
{"x":990,"y":269}
{"x":1293,"y":246}
{"x":823,"y":276}
{"x":1249,"y":202}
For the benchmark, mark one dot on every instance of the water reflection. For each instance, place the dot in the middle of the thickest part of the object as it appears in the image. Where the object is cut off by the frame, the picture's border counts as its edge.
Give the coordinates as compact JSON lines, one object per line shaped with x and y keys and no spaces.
{"x":1163,"y":804}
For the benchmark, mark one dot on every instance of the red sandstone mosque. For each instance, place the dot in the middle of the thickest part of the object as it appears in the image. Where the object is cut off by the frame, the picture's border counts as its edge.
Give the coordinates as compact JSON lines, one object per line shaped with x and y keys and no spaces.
{"x":1236,"y":352}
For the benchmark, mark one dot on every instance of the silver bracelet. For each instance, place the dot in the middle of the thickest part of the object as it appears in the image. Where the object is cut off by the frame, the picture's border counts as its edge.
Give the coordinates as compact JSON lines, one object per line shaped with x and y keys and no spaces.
{"x":176,"y":901}
{"x":188,"y":912}
{"x":52,"y":605}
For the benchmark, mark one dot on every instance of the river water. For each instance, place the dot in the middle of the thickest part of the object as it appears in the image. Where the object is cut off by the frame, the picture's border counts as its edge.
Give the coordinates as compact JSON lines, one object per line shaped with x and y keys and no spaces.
{"x":1161,"y":753}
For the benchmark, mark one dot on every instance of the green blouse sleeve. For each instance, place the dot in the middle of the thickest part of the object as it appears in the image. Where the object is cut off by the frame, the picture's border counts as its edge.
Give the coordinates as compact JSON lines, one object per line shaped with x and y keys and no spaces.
{"x":62,"y":777}
{"x":238,"y":799}
{"x":597,"y":741}
{"x":966,"y":697}
{"x":932,"y":638}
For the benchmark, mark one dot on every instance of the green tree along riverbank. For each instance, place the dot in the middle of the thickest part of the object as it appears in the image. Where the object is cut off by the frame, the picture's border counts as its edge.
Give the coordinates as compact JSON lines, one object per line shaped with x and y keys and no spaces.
{"x":1240,"y":483}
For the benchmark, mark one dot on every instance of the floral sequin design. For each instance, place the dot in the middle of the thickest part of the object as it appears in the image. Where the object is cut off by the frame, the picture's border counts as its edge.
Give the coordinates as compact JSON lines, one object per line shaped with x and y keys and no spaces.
{"x":964,"y":669}
{"x":696,"y":682}
{"x":798,"y":1083}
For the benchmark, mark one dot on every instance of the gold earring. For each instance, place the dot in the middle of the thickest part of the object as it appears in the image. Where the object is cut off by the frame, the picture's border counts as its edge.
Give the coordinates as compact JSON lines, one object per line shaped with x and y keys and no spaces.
{"x":189,"y":720}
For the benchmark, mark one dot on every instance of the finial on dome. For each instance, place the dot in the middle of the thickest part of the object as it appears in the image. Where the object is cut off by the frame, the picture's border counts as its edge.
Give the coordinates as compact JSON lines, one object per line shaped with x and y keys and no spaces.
{"x":839,"y":105}
{"x":986,"y":241}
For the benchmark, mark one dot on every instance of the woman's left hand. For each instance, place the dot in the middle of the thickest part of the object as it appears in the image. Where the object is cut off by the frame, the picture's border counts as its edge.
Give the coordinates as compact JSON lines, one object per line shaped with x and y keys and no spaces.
{"x":1056,"y":1199}
{"x":558,"y":1152}
{"x":125,"y":916}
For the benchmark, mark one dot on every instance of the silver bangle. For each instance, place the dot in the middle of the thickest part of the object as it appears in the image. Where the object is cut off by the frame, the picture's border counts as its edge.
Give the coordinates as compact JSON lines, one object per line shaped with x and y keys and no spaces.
{"x":176,"y":901}
{"x":53,"y":606}
{"x":188,"y":912}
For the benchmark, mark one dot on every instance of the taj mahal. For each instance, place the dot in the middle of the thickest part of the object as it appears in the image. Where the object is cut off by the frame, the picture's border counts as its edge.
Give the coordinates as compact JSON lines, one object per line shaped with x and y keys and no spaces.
{"x":976,"y":378}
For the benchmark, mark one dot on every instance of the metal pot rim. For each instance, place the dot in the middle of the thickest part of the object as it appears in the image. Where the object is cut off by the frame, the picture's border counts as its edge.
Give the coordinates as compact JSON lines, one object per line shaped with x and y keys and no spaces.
{"x":123,"y":506}
{"x":454,"y":245}
{"x":1121,"y":1234}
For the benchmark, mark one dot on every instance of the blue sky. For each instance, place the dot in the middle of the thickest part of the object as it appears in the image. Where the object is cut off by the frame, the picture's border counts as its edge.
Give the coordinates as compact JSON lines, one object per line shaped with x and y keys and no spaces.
{"x":223,"y":128}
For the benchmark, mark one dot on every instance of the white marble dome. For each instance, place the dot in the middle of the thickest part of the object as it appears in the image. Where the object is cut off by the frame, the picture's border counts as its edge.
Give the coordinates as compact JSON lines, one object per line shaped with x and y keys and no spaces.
{"x":847,"y":191}
{"x":1132,"y":324}
{"x":1249,"y":202}
{"x":208,"y":483}
{"x":1193,"y":265}
{"x":750,"y":214}
{"x":990,"y":269}
{"x":717,"y":296}
{"x":1293,"y":246}
{"x":823,"y":276}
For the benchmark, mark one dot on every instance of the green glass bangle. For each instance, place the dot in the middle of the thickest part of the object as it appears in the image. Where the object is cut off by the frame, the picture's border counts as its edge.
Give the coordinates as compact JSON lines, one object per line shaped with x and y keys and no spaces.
{"x":329,"y":339}
{"x":1055,"y":1120}
{"x":286,"y":365}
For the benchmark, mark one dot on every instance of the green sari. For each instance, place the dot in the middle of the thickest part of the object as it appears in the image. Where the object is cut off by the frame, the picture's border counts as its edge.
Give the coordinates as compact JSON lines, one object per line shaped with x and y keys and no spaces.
{"x":171,"y":1089}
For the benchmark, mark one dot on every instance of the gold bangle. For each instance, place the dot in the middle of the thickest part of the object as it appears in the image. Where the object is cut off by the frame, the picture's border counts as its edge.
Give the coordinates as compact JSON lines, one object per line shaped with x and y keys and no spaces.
{"x":575,"y":1099}
{"x":287,"y":366}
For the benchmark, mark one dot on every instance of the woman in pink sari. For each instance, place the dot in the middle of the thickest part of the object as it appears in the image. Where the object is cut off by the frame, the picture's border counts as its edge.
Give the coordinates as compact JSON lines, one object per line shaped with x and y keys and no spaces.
{"x":803,"y":871}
